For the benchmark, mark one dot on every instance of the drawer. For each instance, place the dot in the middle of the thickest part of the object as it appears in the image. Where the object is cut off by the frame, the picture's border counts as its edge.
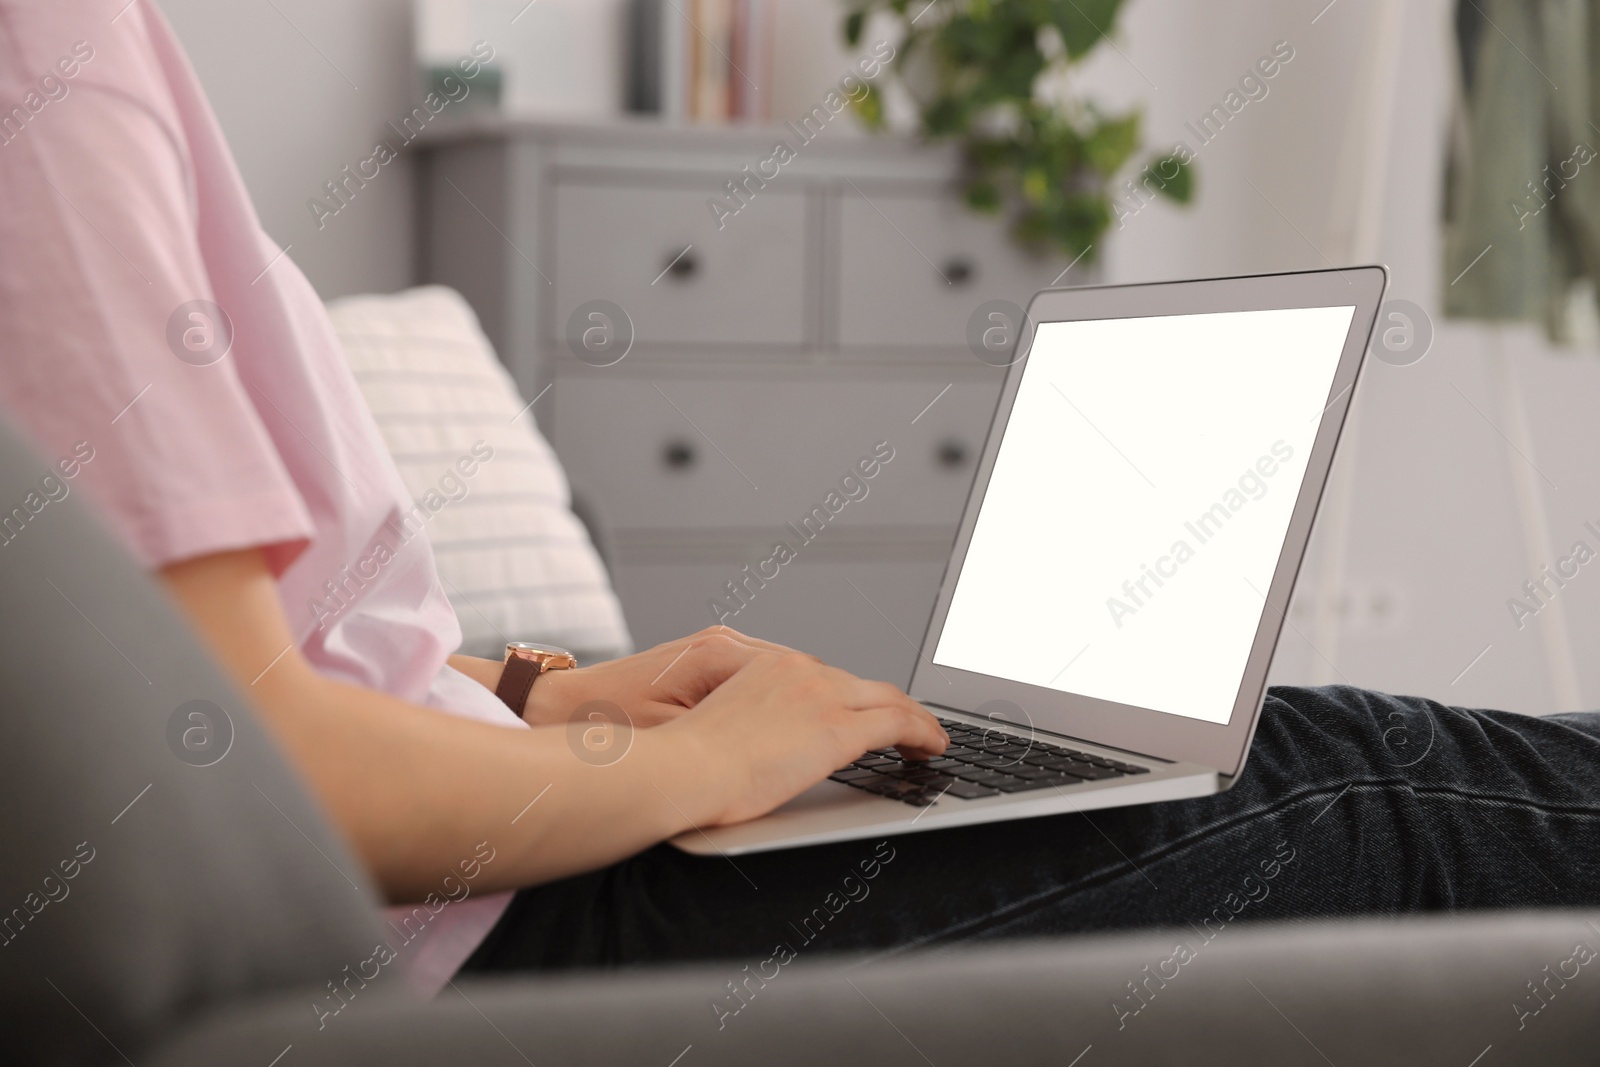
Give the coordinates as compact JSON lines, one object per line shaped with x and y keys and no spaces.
{"x":811,"y":605}
{"x":913,"y":268}
{"x":744,"y":284}
{"x":719,"y":453}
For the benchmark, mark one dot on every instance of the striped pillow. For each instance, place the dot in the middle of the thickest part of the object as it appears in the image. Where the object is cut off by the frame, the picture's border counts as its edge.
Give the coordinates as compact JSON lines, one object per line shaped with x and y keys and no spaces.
{"x":516,"y":562}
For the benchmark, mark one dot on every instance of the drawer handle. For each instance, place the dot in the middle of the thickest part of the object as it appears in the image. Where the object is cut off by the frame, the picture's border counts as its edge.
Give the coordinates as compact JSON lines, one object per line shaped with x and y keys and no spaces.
{"x":678,"y":455}
{"x":951,"y":454}
{"x":959,"y":270}
{"x":681,"y":265}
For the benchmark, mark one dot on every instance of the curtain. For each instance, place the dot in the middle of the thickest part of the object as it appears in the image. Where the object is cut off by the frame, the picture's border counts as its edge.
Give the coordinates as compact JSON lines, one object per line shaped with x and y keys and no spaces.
{"x":1523,"y":197}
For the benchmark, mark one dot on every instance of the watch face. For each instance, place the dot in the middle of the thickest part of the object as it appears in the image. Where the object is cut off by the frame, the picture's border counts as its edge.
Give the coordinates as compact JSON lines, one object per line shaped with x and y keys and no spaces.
{"x":527,"y":646}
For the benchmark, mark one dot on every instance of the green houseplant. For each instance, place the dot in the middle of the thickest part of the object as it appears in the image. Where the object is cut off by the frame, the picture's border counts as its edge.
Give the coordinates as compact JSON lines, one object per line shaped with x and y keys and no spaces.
{"x":974,"y":69}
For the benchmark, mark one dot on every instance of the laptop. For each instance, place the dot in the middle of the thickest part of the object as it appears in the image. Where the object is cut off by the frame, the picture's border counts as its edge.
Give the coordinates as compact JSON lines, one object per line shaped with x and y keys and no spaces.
{"x":1103,"y":630}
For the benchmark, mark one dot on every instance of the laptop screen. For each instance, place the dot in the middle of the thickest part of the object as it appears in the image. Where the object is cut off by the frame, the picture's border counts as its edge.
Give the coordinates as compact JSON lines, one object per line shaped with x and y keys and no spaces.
{"x":1139,"y":503}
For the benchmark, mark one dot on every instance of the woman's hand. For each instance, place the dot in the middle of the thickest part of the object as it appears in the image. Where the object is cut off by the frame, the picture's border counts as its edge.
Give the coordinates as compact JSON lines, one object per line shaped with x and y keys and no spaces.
{"x":652,"y":687}
{"x":783,"y":722}
{"x":742,"y":725}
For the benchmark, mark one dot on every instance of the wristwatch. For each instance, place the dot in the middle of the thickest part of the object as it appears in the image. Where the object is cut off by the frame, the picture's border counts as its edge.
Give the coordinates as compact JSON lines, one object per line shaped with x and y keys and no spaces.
{"x":524,"y":663}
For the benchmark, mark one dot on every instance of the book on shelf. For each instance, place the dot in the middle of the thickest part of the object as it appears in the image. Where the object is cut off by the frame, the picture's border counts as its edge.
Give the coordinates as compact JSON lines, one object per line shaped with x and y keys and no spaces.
{"x":701,"y":60}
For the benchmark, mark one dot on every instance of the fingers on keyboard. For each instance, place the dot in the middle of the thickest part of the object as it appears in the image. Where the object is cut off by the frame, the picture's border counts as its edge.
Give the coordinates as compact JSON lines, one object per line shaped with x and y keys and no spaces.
{"x":978,"y":764}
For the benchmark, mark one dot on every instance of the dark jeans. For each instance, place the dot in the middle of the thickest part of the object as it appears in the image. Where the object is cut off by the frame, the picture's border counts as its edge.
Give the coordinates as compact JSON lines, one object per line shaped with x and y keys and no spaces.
{"x":1351,"y":803}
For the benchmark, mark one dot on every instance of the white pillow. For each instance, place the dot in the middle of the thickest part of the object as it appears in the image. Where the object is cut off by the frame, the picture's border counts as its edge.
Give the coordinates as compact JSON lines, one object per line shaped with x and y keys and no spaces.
{"x":516,"y":562}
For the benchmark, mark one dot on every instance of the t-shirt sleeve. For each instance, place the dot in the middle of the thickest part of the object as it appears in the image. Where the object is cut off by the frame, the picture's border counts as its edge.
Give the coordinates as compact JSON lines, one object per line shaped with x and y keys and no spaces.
{"x":115,"y":360}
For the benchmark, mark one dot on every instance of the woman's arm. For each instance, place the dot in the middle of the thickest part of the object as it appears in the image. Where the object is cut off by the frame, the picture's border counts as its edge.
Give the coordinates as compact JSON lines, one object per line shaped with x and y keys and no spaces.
{"x":653,"y":686}
{"x":414,"y":789}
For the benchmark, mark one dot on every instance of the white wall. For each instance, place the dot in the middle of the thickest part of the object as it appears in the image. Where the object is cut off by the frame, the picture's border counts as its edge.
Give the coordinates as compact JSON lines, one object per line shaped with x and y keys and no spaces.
{"x":296,"y":109}
{"x":305,"y":87}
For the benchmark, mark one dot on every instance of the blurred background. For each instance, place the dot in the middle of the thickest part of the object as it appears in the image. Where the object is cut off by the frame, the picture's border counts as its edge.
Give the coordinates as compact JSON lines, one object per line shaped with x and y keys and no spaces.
{"x":759,"y":348}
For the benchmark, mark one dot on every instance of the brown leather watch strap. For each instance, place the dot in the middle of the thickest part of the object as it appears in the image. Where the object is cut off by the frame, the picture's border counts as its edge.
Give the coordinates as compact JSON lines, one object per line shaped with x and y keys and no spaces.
{"x":516,"y":681}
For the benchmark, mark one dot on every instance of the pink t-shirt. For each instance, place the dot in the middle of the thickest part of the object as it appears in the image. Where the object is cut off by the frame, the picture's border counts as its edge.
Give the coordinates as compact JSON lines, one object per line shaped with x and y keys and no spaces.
{"x":120,"y":208}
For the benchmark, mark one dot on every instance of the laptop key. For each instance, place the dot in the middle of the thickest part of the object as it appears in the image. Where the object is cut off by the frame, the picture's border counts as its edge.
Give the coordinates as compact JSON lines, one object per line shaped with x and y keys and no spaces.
{"x":1090,"y":772}
{"x":916,"y":774}
{"x":853,"y":775}
{"x":971,"y":790}
{"x":888,"y":786}
{"x":1018,"y":785}
{"x":992,"y":778}
{"x":932,"y":780}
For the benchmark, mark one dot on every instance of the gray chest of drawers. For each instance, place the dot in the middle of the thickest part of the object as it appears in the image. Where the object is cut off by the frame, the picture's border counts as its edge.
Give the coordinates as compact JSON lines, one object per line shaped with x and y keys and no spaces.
{"x":780,"y":346}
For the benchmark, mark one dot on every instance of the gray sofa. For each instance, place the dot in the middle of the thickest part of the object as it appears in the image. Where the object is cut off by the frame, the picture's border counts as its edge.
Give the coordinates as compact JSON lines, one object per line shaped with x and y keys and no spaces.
{"x":176,"y":911}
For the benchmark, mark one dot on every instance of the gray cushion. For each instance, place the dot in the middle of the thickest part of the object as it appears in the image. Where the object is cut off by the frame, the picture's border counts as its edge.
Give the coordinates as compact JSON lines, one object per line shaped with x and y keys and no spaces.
{"x":176,"y":887}
{"x":1426,"y":991}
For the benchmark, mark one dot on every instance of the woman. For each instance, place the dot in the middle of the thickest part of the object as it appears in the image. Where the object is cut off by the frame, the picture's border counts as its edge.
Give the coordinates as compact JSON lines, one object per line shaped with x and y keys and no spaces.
{"x":146,"y":314}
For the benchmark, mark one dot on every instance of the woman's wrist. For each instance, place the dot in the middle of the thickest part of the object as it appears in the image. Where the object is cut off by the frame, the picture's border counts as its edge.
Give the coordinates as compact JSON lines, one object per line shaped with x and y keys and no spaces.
{"x":683,"y":779}
{"x":486,"y":672}
{"x":550,"y":698}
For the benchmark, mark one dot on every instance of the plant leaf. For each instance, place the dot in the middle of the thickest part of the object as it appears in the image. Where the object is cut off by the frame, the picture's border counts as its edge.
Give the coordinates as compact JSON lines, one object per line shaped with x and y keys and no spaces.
{"x":1112,"y":143}
{"x":946,"y":115}
{"x":853,"y":24}
{"x":1174,"y":179}
{"x":869,"y":108}
{"x":1036,"y":185}
{"x":1084,"y":22}
{"x":983,"y":195}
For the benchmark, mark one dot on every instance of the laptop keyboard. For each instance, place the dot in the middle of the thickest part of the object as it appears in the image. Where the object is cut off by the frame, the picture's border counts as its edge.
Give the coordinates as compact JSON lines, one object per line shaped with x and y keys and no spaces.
{"x":979,"y":763}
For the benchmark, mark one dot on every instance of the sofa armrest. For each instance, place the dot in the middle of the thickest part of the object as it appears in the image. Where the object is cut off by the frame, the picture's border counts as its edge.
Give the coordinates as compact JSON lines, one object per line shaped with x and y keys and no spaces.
{"x":161,"y":856}
{"x":1437,"y":990}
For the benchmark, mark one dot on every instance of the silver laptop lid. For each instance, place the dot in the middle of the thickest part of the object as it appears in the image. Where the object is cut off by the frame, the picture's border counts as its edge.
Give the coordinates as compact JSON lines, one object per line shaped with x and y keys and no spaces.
{"x":1142,"y":506}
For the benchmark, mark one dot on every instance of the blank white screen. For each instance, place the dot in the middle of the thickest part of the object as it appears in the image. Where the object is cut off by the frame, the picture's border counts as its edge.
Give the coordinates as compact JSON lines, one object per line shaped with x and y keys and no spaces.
{"x":1126,"y":437}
